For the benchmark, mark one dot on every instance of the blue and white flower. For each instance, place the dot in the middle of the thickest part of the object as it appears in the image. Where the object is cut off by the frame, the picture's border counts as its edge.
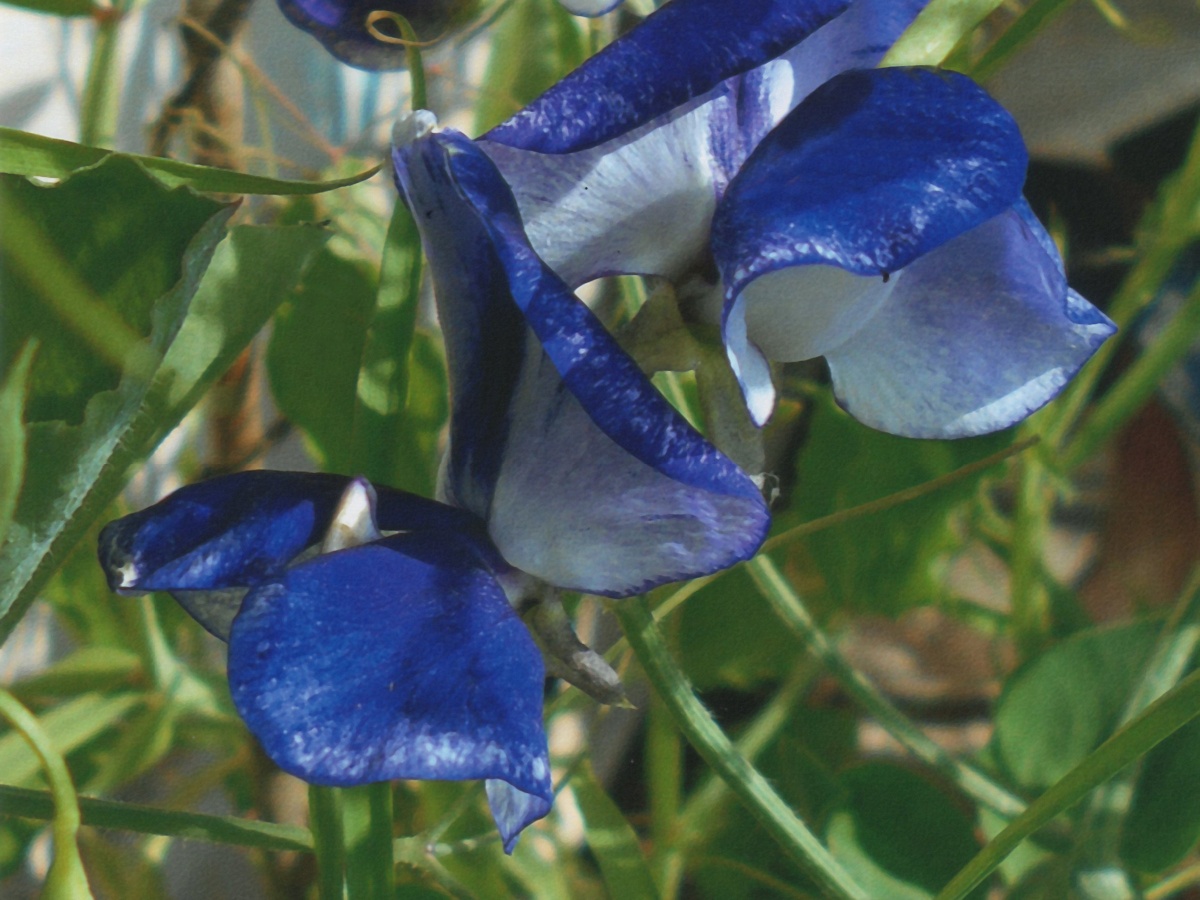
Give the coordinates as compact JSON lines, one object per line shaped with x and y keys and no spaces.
{"x":372,"y":634}
{"x":813,"y":206}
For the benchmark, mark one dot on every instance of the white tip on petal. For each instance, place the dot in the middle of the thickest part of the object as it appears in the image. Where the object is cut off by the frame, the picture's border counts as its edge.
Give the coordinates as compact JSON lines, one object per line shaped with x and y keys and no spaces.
{"x":590,"y":7}
{"x":413,"y":126}
{"x":354,"y":519}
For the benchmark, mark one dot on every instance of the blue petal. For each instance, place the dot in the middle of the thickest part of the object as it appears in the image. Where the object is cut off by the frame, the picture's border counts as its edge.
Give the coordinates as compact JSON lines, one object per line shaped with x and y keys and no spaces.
{"x":974,"y":337}
{"x":681,"y":51}
{"x":341,"y":25}
{"x":232,"y":531}
{"x":587,"y":477}
{"x":872,"y":170}
{"x":395,"y":659}
{"x":238,"y":530}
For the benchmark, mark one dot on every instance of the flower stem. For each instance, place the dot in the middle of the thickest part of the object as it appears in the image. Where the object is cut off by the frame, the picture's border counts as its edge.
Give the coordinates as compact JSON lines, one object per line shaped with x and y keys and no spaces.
{"x":325,"y":821}
{"x":98,"y":113}
{"x":716,"y":749}
{"x":788,"y":606}
{"x":367,"y":824}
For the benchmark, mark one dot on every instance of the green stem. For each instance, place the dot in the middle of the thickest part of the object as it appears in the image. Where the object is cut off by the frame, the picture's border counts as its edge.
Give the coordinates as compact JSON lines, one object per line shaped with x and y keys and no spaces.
{"x":788,"y":606}
{"x":1030,"y":601}
{"x":367,"y":822}
{"x":1136,"y":384}
{"x":98,"y":113}
{"x":27,"y":804}
{"x":325,"y":820}
{"x":1167,"y":228}
{"x":715,"y":748}
{"x":1100,"y":831}
{"x":664,"y":775}
{"x":66,"y":878}
{"x":1165,"y":716}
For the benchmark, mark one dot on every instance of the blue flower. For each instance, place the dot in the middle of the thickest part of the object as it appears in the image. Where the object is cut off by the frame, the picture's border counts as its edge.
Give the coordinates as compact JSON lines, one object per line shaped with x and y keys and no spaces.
{"x":812,"y":206}
{"x":394,"y":650}
{"x":359,"y":33}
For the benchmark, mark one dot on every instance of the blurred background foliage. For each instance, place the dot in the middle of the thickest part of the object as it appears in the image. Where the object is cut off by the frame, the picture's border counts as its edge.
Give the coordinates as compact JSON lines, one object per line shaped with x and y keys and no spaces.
{"x":928,"y":662}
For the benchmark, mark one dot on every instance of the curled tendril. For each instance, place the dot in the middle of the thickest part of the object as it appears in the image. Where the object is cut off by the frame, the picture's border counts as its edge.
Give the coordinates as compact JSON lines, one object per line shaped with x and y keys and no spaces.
{"x":409,"y":36}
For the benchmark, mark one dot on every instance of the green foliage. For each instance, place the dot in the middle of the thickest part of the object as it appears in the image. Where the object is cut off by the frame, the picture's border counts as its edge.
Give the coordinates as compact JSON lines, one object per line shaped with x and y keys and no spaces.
{"x":884,"y":562}
{"x":22,"y":153}
{"x":612,"y":840}
{"x":1163,"y":823}
{"x":534,"y":44}
{"x":898,"y":834}
{"x":1059,"y":707}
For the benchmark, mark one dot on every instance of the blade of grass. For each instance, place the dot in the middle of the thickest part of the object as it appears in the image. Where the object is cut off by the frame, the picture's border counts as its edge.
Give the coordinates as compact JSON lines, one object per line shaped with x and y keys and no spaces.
{"x":788,"y":606}
{"x":1162,"y":718}
{"x":716,"y":749}
{"x":133,"y":817}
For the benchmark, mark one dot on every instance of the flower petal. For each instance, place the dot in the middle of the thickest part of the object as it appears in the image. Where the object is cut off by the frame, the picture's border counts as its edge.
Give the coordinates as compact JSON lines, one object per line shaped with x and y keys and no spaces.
{"x":640,"y":204}
{"x":395,"y":659}
{"x":873,"y":169}
{"x":679,"y":52}
{"x":590,"y":7}
{"x":341,"y":25}
{"x":232,"y":531}
{"x":975,"y":336}
{"x":586,"y":476}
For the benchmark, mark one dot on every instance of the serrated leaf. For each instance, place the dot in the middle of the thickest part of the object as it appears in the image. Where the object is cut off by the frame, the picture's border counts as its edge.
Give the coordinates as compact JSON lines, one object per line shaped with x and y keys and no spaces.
{"x":12,"y":434}
{"x":250,"y":274}
{"x":23,"y":153}
{"x":1062,"y":704}
{"x":612,"y":840}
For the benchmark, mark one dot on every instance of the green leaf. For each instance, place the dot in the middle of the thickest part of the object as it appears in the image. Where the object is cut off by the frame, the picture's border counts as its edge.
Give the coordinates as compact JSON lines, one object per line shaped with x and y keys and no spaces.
{"x":533,"y":46}
{"x":1163,"y":824}
{"x":940,"y":27}
{"x":392,"y":444}
{"x":250,"y":275}
{"x":68,"y":726}
{"x":140,"y":819}
{"x":87,"y":669}
{"x":1162,"y":718}
{"x":12,"y":434}
{"x":316,"y":349}
{"x":728,"y":636}
{"x":66,"y":879}
{"x":612,"y":840}
{"x":56,"y":7}
{"x":887,"y":561}
{"x":898,"y":834}
{"x":22,"y":153}
{"x":1034,"y":17}
{"x":1062,"y":704}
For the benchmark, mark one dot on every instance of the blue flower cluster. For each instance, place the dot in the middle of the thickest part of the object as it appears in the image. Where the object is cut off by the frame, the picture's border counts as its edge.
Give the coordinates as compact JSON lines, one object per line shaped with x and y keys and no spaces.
{"x":806,"y":203}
